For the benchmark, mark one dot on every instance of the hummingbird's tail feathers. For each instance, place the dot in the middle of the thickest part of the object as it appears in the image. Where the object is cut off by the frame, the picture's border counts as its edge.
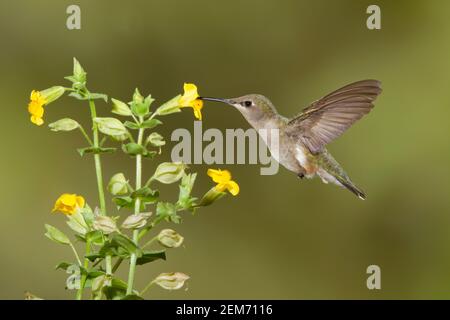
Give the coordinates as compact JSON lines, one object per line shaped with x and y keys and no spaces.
{"x":352,"y":187}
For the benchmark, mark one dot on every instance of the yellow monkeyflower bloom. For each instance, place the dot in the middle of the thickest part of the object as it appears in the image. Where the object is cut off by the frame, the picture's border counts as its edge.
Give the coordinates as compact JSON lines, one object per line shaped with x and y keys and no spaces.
{"x":223,"y":180}
{"x":35,"y":107}
{"x":68,"y":203}
{"x":190,"y":99}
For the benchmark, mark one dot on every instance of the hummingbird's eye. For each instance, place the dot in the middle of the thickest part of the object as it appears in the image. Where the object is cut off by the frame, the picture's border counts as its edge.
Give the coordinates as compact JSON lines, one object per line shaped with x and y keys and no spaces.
{"x":247,"y":103}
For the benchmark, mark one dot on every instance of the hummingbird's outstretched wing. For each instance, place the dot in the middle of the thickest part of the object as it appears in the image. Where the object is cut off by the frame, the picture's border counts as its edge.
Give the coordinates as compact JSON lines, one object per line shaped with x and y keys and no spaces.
{"x":326,"y":119}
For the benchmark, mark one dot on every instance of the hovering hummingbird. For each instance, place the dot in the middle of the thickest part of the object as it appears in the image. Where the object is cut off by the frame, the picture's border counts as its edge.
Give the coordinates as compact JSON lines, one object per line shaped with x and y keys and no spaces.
{"x":302,"y":139}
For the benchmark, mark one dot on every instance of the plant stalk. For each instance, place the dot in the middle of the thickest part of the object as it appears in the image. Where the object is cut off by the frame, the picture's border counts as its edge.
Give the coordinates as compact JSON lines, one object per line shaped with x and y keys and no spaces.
{"x":137,"y":207}
{"x":99,"y":174}
{"x":83,"y":276}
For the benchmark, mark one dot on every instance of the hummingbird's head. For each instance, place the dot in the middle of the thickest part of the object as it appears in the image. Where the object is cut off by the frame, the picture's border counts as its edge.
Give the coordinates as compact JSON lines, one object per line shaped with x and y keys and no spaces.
{"x":253,"y":107}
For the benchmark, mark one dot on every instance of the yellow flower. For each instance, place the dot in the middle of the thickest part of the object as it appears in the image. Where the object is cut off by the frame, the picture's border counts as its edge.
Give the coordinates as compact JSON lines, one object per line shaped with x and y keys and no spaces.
{"x":68,"y":203}
{"x":190,"y":99}
{"x":35,"y":107}
{"x":224,"y":182}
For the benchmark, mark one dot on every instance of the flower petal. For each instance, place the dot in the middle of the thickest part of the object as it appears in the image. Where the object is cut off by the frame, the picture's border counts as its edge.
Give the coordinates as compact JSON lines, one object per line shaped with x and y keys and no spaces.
{"x":35,"y":109}
{"x":190,"y":94}
{"x":69,"y":199}
{"x":233,"y":188}
{"x":80,"y":201}
{"x":37,"y":121}
{"x":219,"y":176}
{"x":221,"y":187}
{"x":198,"y":114}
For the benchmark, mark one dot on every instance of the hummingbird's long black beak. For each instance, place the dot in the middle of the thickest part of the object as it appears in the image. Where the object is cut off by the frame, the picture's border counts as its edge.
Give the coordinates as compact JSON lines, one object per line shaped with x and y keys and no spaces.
{"x":227,"y":101}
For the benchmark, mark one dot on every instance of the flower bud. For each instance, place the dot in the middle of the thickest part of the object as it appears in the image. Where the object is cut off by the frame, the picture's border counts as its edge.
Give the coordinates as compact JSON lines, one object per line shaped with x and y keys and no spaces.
{"x":136,"y":221}
{"x":169,"y":172}
{"x":118,"y":185}
{"x":171,"y":281}
{"x":137,"y":96}
{"x":156,"y":140}
{"x":111,"y":126}
{"x":105,"y":224}
{"x":120,"y":108}
{"x":77,"y":222}
{"x":52,"y":94}
{"x":170,"y":238}
{"x":78,"y":71}
{"x":212,"y":195}
{"x":65,"y":124}
{"x":169,"y":107}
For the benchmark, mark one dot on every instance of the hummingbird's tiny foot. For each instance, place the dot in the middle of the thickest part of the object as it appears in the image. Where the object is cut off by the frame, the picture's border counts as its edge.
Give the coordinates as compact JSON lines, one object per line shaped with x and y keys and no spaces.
{"x":301,"y":175}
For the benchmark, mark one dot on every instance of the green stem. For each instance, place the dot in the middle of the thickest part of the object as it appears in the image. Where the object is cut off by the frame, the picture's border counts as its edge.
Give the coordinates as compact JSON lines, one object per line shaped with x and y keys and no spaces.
{"x":117,"y":265}
{"x":83,"y":277}
{"x":144,"y":231}
{"x":85,"y":135}
{"x":75,"y":253}
{"x":98,"y":171}
{"x":137,"y":207}
{"x":98,"y":163}
{"x":149,"y":242}
{"x":146,"y":288}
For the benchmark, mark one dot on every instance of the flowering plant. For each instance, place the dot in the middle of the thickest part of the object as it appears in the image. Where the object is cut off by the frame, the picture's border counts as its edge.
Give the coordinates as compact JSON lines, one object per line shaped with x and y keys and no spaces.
{"x":110,"y":240}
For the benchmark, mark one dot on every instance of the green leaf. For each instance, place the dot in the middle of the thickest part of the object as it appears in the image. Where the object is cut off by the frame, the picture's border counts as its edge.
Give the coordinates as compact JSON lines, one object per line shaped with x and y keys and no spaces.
{"x":111,"y":126}
{"x":185,"y":200}
{"x":139,"y":109}
{"x":126,"y":243}
{"x":149,"y":154}
{"x":65,"y":124}
{"x":140,"y":106}
{"x":95,"y":274}
{"x":95,"y":237}
{"x":116,"y":291}
{"x":77,"y":223}
{"x":133,"y":149}
{"x":110,"y":249}
{"x":124,"y":202}
{"x":80,"y":237}
{"x":71,"y":79}
{"x":94,"y":256}
{"x":78,"y":72}
{"x":120,"y":138}
{"x":78,"y":96}
{"x":120,"y":108}
{"x":131,"y":125}
{"x":146,"y":195}
{"x":132,"y":297}
{"x":63,"y":265}
{"x":168,"y":212}
{"x":150,"y":124}
{"x":83,"y":151}
{"x":87,"y":214}
{"x":150,"y":256}
{"x":55,"y":235}
{"x":149,"y":100}
{"x":95,"y":96}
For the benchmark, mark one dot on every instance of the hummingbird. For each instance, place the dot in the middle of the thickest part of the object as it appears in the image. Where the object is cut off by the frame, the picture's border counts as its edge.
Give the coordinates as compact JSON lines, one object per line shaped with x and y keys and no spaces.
{"x":303,"y":138}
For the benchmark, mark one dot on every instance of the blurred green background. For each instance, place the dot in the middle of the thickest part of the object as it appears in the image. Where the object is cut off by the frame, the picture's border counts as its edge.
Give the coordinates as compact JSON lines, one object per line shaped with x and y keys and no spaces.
{"x":281,"y":238}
